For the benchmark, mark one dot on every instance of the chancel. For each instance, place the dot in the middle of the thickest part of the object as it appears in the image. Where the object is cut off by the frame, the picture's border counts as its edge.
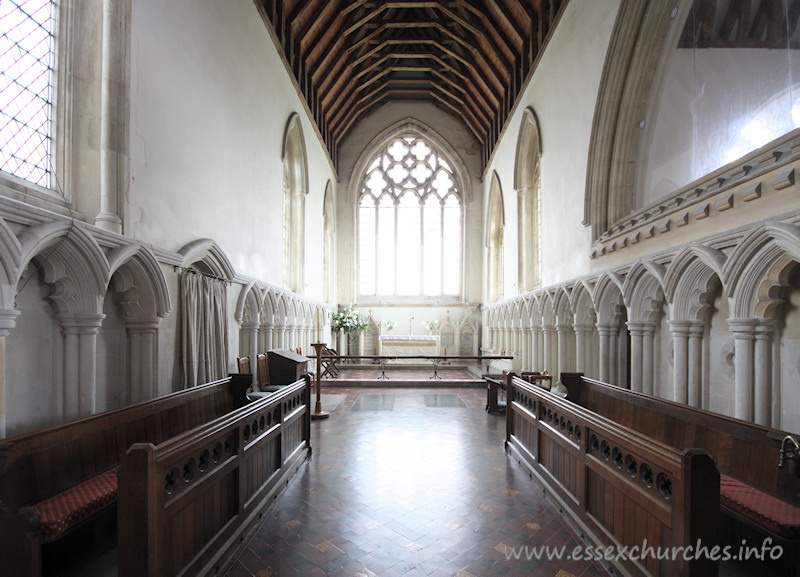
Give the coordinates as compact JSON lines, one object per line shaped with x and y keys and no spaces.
{"x":603,"y":193}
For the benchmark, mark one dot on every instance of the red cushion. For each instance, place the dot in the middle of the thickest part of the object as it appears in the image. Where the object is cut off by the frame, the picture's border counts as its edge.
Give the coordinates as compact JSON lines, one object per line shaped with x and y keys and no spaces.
{"x":62,"y":511}
{"x":763,"y":509}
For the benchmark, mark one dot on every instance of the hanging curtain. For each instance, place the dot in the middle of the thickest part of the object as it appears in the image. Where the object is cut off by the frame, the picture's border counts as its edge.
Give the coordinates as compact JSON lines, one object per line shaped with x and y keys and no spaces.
{"x":204,"y":329}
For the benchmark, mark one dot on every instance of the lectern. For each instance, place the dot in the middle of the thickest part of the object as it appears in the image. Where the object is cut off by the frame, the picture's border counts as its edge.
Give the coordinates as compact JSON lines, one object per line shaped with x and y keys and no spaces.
{"x":285,"y":366}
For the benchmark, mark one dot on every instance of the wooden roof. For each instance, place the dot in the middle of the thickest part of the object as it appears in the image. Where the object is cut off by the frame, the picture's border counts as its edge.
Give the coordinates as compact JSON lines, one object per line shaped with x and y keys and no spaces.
{"x":468,"y":57}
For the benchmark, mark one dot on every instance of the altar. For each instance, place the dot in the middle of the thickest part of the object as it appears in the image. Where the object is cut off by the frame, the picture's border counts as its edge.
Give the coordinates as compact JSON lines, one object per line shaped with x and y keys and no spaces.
{"x":402,"y":345}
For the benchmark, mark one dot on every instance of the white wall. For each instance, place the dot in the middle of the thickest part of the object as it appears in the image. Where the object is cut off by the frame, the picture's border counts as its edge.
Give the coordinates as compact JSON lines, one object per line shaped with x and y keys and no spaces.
{"x":210,"y":98}
{"x":562,"y":92}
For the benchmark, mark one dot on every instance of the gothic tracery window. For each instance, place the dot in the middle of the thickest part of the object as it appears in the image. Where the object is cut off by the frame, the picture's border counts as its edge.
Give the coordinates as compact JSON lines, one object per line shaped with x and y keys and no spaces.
{"x":410,"y":222}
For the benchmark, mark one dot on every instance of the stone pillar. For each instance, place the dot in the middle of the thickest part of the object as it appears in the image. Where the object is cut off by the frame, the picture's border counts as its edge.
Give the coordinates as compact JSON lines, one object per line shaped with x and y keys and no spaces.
{"x":110,"y":126}
{"x":536,"y":347}
{"x":264,"y":338}
{"x":550,"y":348}
{"x":516,"y":364}
{"x":80,"y":363}
{"x":8,"y":320}
{"x":279,"y":336}
{"x":564,"y":354}
{"x":608,"y":360}
{"x":582,"y":333}
{"x":636,"y":330}
{"x":251,"y":331}
{"x":525,"y":348}
{"x":744,"y":338}
{"x":648,"y":358}
{"x":695,"y":364}
{"x":680,"y":354}
{"x":762,"y":374}
{"x":142,"y":359}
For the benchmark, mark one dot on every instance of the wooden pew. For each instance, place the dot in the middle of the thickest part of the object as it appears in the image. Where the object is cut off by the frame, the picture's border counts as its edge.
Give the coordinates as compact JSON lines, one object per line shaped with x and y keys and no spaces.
{"x":746,"y":455}
{"x":47,"y":467}
{"x":185,"y":504}
{"x":615,"y":485}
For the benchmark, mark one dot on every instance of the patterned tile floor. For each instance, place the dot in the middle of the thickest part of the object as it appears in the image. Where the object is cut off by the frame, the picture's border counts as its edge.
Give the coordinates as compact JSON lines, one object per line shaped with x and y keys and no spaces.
{"x":422,"y":487}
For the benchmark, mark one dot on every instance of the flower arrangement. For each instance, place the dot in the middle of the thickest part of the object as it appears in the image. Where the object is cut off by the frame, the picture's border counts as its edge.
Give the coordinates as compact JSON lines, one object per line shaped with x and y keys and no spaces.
{"x":390,"y":325}
{"x":348,"y":321}
{"x":432,"y":325}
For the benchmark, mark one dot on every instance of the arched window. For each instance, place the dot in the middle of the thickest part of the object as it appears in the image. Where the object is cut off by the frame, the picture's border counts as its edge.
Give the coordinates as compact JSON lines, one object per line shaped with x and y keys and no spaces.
{"x":527,"y":182}
{"x":495,"y":222}
{"x":410,"y":213}
{"x":295,"y":186}
{"x":27,"y":59}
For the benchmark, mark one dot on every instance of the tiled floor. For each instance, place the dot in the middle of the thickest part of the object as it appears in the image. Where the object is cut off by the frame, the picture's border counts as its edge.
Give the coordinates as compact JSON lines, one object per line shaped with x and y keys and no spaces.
{"x":406,"y":482}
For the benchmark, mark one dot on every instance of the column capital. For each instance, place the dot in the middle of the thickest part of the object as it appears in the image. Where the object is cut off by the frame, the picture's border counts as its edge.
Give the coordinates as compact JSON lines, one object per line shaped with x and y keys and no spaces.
{"x":636,"y":328}
{"x":564,"y":328}
{"x":743,"y":328}
{"x":680,"y":327}
{"x":78,"y":324}
{"x":764,"y":329}
{"x":607,"y":330}
{"x":584,"y":329}
{"x":143,"y":326}
{"x":8,"y":320}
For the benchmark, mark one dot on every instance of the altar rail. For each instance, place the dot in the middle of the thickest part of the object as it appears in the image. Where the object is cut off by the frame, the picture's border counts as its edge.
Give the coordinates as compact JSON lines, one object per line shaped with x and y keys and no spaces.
{"x":618,"y":487}
{"x":185,"y":503}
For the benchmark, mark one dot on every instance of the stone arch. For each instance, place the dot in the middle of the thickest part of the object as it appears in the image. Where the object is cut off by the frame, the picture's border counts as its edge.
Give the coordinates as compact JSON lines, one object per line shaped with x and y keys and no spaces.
{"x":135,"y":273}
{"x":563,"y":309}
{"x":640,"y":36}
{"x":691,"y":280}
{"x":614,"y":353}
{"x":608,"y":298}
{"x":295,"y":167}
{"x":527,"y":179}
{"x":757,"y":270}
{"x":495,"y":222}
{"x":10,"y":265}
{"x":248,"y":306}
{"x":582,"y":304}
{"x":208,"y":252}
{"x":586,"y":337}
{"x":643,"y":291}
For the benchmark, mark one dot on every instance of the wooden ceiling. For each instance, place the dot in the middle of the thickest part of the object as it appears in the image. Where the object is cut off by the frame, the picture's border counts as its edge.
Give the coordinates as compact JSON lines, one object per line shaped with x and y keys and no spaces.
{"x":468,"y":57}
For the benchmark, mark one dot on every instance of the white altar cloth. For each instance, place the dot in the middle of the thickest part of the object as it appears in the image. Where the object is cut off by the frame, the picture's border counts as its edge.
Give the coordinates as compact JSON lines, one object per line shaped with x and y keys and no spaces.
{"x":400,"y":345}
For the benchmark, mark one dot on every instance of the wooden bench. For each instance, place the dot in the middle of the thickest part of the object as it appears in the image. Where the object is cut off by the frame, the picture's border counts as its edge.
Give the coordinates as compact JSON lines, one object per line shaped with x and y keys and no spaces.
{"x":185,"y":504}
{"x":53,"y":479}
{"x":616,"y":486}
{"x":756,"y":495}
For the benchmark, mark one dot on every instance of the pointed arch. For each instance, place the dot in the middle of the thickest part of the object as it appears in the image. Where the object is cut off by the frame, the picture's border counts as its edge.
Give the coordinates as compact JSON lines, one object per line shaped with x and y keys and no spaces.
{"x":692,"y":280}
{"x":608,"y":299}
{"x":643,"y":291}
{"x":495,"y":222}
{"x":295,"y":188}
{"x":248,"y":307}
{"x":208,"y":252}
{"x":135,"y":273}
{"x":527,"y":183}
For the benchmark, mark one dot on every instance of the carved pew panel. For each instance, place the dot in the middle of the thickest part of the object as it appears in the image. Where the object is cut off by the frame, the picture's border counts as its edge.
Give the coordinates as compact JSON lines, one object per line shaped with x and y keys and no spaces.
{"x":617,"y":486}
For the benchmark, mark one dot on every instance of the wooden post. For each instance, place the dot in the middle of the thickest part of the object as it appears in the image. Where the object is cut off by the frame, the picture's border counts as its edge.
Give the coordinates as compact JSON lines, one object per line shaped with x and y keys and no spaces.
{"x":318,"y":412}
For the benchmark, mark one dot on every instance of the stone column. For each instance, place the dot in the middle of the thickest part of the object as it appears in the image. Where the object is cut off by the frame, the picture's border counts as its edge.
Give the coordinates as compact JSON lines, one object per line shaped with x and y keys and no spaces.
{"x":280,"y":336}
{"x":8,"y":319}
{"x":564,"y":355}
{"x":744,"y":338}
{"x":251,"y":331}
{"x":516,"y":364}
{"x":648,"y":358}
{"x":695,"y":364}
{"x":110,"y":113}
{"x":608,"y":360}
{"x":636,"y":330}
{"x":762,"y":374}
{"x":680,"y":368}
{"x":537,"y":362}
{"x":142,"y":359}
{"x":550,"y":349}
{"x":80,"y":363}
{"x":264,"y":338}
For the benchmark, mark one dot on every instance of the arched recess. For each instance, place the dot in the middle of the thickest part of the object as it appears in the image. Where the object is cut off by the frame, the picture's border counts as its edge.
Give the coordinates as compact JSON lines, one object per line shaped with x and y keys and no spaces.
{"x":614,"y":350}
{"x":702,"y":349}
{"x":763,"y":276}
{"x":128,"y":344}
{"x":248,"y":316}
{"x":295,"y":188}
{"x":644,"y":294}
{"x":329,"y":244}
{"x":63,"y":271}
{"x":527,"y":183}
{"x":204,"y":312}
{"x":586,"y":338}
{"x":637,"y":42}
{"x":495,"y":222}
{"x":565,"y":328}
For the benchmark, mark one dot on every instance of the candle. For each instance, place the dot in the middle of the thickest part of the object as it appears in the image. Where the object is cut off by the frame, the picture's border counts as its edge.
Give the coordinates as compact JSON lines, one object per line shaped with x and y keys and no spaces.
{"x":318,"y":325}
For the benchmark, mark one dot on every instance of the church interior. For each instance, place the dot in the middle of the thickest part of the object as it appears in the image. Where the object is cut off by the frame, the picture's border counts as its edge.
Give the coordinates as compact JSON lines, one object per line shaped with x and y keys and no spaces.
{"x":603,"y":192}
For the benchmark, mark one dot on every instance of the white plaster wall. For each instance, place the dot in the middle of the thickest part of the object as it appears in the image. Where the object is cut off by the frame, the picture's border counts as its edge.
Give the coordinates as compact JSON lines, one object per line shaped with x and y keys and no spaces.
{"x":459,"y":139}
{"x":563,"y":93}
{"x":210,"y":98}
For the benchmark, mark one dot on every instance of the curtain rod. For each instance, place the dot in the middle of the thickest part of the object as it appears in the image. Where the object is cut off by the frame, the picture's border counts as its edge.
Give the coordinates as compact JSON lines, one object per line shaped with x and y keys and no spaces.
{"x":201,"y":273}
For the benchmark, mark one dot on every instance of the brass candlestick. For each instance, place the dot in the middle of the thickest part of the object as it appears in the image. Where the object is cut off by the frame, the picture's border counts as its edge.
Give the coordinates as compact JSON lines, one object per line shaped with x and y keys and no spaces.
{"x":318,"y":412}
